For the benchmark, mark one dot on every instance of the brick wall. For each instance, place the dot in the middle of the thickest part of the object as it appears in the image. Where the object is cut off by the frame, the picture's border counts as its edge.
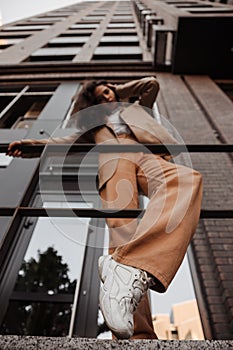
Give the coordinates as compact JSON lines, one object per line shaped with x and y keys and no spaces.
{"x":201,"y":112}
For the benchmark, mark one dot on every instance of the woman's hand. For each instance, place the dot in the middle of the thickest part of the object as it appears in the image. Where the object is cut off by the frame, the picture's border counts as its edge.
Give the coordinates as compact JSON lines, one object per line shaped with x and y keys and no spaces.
{"x":14,"y":150}
{"x":111,"y":86}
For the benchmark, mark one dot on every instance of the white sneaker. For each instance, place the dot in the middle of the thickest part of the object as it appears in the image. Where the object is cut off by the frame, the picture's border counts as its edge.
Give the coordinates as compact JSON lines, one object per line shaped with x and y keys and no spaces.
{"x":122,"y":289}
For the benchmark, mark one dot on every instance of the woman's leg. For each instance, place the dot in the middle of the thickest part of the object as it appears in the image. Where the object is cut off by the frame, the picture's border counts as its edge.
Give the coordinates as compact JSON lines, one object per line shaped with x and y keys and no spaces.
{"x":120,"y":192}
{"x":143,"y":325}
{"x":162,"y":236}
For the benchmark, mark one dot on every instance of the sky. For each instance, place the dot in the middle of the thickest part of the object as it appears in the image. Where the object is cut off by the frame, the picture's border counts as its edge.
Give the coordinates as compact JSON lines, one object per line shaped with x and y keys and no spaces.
{"x":181,"y":288}
{"x":12,"y":10}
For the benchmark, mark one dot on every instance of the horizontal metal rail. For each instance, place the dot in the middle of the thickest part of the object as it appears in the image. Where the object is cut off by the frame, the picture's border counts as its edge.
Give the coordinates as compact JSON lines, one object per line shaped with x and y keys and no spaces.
{"x":41,"y":297}
{"x":108,"y":213}
{"x":101,"y":213}
{"x":146,"y":148}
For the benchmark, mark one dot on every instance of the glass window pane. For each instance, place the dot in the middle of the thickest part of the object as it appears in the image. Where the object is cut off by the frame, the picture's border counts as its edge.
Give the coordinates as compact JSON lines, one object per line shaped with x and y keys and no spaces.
{"x":93,"y":18}
{"x":31,"y":318}
{"x":46,"y":19}
{"x":54,"y":53}
{"x":50,"y":51}
{"x":29,"y":105}
{"x":66,"y":235}
{"x":25,"y":27}
{"x":123,"y":17}
{"x":41,"y":302}
{"x":121,"y":39}
{"x":69,"y":40}
{"x":84,"y":26}
{"x":22,"y":123}
{"x":121,"y":25}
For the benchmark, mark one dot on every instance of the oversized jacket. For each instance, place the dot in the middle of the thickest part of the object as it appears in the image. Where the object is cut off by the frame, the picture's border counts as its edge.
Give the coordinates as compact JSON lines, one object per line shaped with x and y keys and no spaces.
{"x":144,"y":128}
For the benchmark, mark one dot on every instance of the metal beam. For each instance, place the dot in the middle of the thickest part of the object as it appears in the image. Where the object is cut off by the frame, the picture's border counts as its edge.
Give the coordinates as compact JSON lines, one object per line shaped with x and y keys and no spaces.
{"x":100,"y":213}
{"x":146,"y":148}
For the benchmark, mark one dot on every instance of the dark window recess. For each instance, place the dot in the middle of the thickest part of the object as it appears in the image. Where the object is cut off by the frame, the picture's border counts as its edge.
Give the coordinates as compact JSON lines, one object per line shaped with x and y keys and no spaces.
{"x":113,"y":32}
{"x":118,"y":52}
{"x":17,"y":107}
{"x":227,"y":88}
{"x":13,"y":35}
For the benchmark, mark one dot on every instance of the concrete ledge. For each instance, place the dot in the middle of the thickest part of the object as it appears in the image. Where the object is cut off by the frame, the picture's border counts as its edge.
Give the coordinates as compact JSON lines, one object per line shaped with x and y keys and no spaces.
{"x":49,"y":343}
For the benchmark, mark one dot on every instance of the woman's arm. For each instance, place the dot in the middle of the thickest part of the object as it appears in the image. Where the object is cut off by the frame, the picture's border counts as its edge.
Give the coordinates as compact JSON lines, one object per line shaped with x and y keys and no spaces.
{"x":146,"y":89}
{"x":14,"y":147}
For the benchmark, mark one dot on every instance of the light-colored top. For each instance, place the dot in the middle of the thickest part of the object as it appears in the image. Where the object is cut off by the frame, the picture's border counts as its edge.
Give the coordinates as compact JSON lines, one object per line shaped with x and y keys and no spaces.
{"x":118,"y":124}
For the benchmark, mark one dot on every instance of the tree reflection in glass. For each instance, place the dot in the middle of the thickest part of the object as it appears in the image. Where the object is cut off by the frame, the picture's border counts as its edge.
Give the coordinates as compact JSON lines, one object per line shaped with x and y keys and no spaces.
{"x":46,"y":276}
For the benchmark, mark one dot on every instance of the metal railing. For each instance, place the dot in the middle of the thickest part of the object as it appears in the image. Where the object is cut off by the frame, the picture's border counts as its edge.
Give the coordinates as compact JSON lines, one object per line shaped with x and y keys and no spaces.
{"x":150,"y":148}
{"x":108,"y":213}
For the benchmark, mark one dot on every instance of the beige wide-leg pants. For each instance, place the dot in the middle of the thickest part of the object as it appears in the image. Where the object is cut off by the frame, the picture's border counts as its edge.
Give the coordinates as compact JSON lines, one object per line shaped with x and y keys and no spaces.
{"x":158,"y":242}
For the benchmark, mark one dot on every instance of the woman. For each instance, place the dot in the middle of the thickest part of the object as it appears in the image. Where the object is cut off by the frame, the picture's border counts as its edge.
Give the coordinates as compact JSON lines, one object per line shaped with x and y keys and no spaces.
{"x":148,"y":253}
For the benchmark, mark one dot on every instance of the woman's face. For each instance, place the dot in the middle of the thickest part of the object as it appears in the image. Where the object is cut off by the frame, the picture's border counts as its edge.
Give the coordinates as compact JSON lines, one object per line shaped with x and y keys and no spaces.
{"x":104,"y":94}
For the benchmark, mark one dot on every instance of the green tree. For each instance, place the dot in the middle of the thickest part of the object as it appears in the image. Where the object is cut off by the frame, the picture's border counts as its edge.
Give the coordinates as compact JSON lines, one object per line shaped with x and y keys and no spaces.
{"x":46,"y":275}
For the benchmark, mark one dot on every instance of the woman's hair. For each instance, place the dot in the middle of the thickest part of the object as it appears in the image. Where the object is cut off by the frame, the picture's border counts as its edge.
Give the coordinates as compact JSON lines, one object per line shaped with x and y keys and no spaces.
{"x":89,"y":117}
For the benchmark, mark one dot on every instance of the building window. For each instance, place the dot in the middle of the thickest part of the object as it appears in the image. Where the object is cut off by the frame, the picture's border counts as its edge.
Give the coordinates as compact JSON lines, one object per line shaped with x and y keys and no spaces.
{"x":84,"y":26}
{"x":119,"y":32}
{"x":118,"y":53}
{"x":25,"y":27}
{"x":47,"y":19}
{"x":47,"y":279}
{"x":68,"y":41}
{"x":76,"y":33}
{"x":94,"y":18}
{"x":20,"y":106}
{"x":8,"y":41}
{"x":121,"y":25}
{"x":49,"y":257}
{"x":122,"y":17}
{"x":54,"y":54}
{"x":119,"y":40}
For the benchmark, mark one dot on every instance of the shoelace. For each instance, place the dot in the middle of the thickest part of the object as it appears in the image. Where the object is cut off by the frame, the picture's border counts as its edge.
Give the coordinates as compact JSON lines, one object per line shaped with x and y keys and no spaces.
{"x":140,"y":286}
